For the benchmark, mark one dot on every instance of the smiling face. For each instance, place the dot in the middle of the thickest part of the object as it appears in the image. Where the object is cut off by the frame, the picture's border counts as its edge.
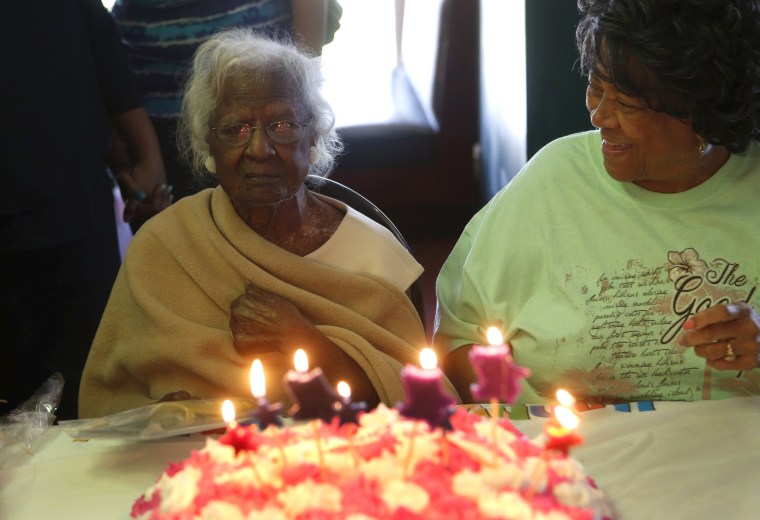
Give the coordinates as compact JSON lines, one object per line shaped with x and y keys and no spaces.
{"x":261,"y":172}
{"x":652,"y":149}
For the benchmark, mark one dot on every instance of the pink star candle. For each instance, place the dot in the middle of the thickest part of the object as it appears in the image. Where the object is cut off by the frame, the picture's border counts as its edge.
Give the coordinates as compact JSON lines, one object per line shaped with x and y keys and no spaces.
{"x":313,"y":396}
{"x":498,"y":376}
{"x":266,"y":414}
{"x":560,"y":430}
{"x":426,"y":399}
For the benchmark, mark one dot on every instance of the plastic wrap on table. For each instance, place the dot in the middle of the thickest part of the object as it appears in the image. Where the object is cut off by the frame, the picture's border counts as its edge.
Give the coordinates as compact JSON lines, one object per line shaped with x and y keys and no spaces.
{"x":160,"y":420}
{"x":21,"y":427}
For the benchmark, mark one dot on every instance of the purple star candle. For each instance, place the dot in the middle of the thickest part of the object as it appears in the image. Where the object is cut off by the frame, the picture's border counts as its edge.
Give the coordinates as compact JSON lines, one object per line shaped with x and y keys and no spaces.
{"x":347,"y":411}
{"x":313,"y":396}
{"x":498,"y":377}
{"x":266,"y":414}
{"x":426,"y":399}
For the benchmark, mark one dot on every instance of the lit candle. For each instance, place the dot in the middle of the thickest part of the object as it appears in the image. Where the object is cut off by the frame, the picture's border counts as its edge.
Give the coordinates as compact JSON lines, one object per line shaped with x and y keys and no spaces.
{"x":426,"y":398}
{"x":498,"y":377}
{"x":347,"y":411}
{"x":565,"y":398}
{"x":560,"y":430}
{"x":236,"y":436}
{"x":266,"y":414}
{"x":228,"y":414}
{"x":312,"y":394}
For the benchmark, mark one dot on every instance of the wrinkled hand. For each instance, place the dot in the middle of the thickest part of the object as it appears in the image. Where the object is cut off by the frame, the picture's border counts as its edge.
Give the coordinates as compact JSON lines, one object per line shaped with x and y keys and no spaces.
{"x":712,"y":330}
{"x":181,"y":395}
{"x":262,"y":320}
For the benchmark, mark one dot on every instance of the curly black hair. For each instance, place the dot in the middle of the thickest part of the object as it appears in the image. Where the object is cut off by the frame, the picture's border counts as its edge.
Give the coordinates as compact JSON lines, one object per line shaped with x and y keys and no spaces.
{"x":696,"y":60}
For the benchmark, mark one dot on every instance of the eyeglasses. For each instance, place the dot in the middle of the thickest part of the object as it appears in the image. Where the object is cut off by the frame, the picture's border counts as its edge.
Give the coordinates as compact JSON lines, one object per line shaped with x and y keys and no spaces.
{"x":240,"y":134}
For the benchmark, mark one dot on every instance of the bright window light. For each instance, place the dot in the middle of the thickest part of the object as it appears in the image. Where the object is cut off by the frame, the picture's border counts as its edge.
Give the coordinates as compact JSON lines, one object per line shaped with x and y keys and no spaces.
{"x":358,"y":63}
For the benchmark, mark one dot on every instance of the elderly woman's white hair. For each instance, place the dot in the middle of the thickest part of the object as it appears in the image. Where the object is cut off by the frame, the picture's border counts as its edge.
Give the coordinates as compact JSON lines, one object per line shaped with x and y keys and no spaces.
{"x":241,"y":54}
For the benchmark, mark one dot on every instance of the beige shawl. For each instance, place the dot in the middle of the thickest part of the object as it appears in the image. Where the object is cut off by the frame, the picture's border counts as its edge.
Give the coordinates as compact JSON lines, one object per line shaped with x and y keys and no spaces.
{"x":166,"y":326}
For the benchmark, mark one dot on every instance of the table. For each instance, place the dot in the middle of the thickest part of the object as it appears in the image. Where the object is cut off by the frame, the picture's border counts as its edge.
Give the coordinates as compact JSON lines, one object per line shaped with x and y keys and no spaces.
{"x":681,"y":461}
{"x":693,"y":461}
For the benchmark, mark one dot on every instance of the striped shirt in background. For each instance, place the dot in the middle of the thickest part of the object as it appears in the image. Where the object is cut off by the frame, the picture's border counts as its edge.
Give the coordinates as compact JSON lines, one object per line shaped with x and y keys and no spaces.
{"x":162,"y":35}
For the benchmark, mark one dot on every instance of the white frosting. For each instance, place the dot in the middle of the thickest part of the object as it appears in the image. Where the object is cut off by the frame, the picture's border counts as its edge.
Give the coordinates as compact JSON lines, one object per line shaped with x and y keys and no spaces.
{"x":179,"y":490}
{"x":221,"y":452}
{"x":552,"y":515}
{"x":399,"y":493}
{"x":310,"y":495}
{"x":217,"y":510}
{"x":567,"y":468}
{"x":537,"y":472}
{"x":572,"y":494}
{"x":381,"y":417}
{"x":268,"y":513}
{"x":486,"y":430}
{"x":382,"y":469}
{"x":240,"y":476}
{"x":505,"y":505}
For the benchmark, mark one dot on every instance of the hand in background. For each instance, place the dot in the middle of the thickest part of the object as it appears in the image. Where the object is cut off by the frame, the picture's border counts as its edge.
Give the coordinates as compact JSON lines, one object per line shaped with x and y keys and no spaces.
{"x":143,"y":198}
{"x":135,"y":159}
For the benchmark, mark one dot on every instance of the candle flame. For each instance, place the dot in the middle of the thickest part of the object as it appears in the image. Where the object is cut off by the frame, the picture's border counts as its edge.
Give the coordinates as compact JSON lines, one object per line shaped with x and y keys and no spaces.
{"x":566,"y":417}
{"x":428,"y":361}
{"x":228,"y":411}
{"x":494,"y":336}
{"x":258,"y":383}
{"x":300,"y":361}
{"x":344,"y":390}
{"x":565,"y":398}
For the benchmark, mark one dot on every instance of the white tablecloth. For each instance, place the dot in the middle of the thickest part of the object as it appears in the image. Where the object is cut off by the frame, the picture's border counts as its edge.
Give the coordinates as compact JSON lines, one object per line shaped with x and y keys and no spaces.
{"x":682,"y":461}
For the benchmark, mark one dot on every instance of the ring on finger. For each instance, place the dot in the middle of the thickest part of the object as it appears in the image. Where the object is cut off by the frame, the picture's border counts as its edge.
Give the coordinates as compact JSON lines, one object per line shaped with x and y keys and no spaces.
{"x":730,"y":354}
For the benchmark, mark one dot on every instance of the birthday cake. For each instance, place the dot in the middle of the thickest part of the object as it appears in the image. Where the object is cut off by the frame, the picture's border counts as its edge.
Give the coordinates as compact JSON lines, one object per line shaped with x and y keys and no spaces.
{"x":385,"y":467}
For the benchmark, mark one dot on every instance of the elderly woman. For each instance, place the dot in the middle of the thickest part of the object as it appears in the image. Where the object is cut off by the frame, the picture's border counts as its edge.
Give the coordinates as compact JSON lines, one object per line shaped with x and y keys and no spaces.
{"x":258,"y":266}
{"x":623,"y":264}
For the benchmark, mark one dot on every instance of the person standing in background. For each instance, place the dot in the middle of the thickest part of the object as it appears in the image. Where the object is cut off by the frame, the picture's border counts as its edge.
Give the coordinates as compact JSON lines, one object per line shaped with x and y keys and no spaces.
{"x":67,"y":83}
{"x":161,"y":38}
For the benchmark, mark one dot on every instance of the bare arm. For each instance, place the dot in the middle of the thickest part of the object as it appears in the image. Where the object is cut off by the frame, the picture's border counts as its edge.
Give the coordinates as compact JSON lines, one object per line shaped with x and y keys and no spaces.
{"x":310,"y":23}
{"x":134,"y":156}
{"x":135,"y":128}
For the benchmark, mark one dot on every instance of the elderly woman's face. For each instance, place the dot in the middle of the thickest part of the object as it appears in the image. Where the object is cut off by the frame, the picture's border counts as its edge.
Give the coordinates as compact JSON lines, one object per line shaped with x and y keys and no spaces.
{"x":656,"y":151}
{"x":262,"y":171}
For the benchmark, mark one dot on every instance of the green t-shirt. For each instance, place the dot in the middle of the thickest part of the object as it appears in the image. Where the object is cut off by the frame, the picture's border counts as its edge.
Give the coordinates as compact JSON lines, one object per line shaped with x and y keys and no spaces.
{"x":591,"y":279}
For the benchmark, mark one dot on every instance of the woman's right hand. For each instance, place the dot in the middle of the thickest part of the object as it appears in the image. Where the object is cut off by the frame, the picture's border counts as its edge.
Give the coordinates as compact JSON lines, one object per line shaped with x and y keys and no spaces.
{"x":260,"y":320}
